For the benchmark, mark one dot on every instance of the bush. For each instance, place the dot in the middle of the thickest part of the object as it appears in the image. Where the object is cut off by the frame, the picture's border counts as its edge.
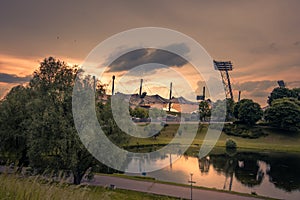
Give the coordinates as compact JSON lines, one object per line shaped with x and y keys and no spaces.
{"x":284,"y":114}
{"x":249,"y":112}
{"x":230,"y":144}
{"x":243,"y":131}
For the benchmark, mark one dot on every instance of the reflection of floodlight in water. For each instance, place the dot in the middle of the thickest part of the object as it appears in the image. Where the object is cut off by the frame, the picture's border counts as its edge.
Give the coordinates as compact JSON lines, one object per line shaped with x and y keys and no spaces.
{"x":191,"y":182}
{"x":224,"y":67}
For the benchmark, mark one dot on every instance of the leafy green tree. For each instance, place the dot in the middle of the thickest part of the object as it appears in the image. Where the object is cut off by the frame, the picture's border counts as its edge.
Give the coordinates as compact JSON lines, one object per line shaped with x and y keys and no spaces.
{"x":223,"y":106}
{"x":54,"y":143}
{"x":204,"y":110}
{"x":13,"y":125}
{"x":140,"y":112}
{"x":155,"y":113}
{"x":229,"y":108}
{"x":297,"y":91}
{"x":237,"y":107}
{"x":249,"y":112}
{"x":284,"y":113}
{"x":108,"y":124}
{"x":219,"y":109}
{"x":37,"y":123}
{"x":280,"y":92}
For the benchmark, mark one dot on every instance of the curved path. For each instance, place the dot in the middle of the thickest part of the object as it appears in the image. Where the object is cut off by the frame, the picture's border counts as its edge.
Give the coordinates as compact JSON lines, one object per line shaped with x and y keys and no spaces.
{"x":165,"y":189}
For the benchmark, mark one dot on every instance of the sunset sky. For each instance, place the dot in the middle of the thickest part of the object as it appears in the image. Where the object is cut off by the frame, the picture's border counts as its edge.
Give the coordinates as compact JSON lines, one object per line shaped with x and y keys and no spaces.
{"x":260,"y":37}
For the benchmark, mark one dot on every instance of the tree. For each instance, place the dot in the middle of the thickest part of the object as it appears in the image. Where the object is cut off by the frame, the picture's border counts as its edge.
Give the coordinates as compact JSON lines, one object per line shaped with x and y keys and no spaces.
{"x":237,"y":107}
{"x":229,"y":109}
{"x":155,"y":113}
{"x":223,"y":106}
{"x":297,"y":91}
{"x":284,"y":113}
{"x":108,"y":124}
{"x":249,"y":112}
{"x":37,"y":123}
{"x":140,"y":112}
{"x":13,"y":125}
{"x":281,"y":92}
{"x":54,"y":143}
{"x":204,"y":110}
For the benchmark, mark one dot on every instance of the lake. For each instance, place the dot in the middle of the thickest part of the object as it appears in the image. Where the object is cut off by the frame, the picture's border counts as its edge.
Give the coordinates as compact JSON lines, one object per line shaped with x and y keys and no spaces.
{"x":269,"y":174}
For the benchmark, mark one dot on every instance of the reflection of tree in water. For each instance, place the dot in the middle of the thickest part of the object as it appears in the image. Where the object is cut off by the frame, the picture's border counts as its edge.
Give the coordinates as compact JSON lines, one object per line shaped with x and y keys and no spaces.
{"x":243,"y":166}
{"x":224,"y":164}
{"x":284,"y":172}
{"x":219,"y":162}
{"x":204,"y":164}
{"x":248,"y":171}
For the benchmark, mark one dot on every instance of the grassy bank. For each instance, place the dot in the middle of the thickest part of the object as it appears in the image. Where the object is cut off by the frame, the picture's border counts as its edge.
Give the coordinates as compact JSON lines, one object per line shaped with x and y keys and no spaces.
{"x":275,"y":140}
{"x":16,"y":188}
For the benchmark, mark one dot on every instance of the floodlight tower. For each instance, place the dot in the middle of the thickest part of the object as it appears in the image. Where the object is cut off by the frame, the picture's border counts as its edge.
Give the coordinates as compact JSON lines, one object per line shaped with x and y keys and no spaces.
{"x":281,"y":83}
{"x":224,"y":67}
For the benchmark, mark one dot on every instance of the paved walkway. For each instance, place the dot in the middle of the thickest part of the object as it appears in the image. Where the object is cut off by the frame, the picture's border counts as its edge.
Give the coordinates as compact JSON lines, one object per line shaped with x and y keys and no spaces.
{"x":165,"y":189}
{"x":158,"y":188}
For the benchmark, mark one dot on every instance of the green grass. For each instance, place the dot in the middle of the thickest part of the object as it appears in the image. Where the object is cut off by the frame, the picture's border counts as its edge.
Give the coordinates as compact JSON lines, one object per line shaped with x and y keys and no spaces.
{"x":276,"y":140}
{"x":17,"y":188}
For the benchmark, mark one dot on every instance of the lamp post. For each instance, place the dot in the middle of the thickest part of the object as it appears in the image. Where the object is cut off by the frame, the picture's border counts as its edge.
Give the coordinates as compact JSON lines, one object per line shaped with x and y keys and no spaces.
{"x":191,"y":182}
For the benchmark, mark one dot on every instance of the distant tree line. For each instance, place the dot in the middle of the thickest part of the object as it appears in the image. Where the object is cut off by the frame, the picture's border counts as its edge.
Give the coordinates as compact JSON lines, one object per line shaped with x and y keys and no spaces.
{"x":283,"y":110}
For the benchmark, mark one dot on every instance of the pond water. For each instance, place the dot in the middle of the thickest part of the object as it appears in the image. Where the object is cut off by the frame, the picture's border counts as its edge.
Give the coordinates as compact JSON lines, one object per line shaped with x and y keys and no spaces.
{"x":269,"y":174}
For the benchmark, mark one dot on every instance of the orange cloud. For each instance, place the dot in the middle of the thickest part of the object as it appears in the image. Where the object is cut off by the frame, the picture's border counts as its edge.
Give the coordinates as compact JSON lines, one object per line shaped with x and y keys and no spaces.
{"x":22,"y":67}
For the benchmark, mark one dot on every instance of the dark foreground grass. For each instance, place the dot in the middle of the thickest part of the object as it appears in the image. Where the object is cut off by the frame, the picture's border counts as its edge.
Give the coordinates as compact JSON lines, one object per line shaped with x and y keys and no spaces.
{"x":33,"y":188}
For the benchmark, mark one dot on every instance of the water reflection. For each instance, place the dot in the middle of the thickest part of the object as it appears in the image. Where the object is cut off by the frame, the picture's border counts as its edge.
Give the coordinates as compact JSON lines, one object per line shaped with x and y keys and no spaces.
{"x":275,"y":175}
{"x":204,"y":164}
{"x":244,"y":167}
{"x":284,"y":172}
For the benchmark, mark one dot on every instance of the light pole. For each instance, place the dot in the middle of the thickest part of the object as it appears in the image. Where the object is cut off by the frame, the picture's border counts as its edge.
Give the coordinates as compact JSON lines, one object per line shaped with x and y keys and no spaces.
{"x":191,"y":182}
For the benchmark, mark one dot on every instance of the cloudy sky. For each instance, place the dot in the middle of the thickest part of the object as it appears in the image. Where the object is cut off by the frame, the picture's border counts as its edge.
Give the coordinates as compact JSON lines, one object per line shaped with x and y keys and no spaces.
{"x":260,"y":37}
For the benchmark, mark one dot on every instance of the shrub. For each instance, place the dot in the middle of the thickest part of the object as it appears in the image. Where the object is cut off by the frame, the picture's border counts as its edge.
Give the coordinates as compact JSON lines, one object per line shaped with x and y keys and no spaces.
{"x":284,"y":114}
{"x":243,"y":131}
{"x":230,"y":144}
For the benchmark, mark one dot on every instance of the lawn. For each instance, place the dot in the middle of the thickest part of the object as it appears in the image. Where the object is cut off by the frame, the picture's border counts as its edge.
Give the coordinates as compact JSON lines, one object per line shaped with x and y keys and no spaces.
{"x":275,"y":140}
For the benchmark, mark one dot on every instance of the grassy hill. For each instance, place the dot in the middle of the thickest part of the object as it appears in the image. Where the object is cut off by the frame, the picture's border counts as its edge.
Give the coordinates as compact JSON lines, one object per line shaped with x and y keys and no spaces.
{"x":272,"y":140}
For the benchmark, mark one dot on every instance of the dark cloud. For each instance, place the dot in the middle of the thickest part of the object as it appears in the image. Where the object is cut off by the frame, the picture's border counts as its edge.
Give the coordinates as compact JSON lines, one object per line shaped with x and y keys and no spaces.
{"x":150,"y":55}
{"x":297,"y":43}
{"x":258,"y":90}
{"x":255,"y":85}
{"x":273,"y":46}
{"x":12,"y":78}
{"x":212,"y":91}
{"x":293,"y":84}
{"x":260,"y":93}
{"x":147,"y":69}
